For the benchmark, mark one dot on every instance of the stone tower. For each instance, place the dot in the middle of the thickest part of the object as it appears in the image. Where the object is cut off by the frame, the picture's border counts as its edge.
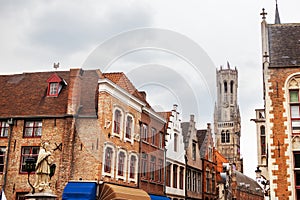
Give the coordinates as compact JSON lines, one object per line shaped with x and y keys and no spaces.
{"x":227,"y":120}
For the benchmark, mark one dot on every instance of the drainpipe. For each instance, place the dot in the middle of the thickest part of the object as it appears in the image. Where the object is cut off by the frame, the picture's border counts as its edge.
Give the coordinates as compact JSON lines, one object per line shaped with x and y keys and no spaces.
{"x":10,"y":123}
{"x":140,"y":153}
{"x":165,"y":157}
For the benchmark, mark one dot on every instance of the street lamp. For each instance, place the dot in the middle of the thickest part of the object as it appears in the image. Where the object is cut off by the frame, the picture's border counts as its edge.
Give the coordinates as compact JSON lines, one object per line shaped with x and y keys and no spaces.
{"x":262,"y":181}
{"x":30,"y":167}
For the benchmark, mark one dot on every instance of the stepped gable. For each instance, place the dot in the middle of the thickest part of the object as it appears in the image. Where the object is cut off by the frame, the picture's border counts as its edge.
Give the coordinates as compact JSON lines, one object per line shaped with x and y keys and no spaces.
{"x":202,"y":141}
{"x":284,"y":51}
{"x":26,"y":95}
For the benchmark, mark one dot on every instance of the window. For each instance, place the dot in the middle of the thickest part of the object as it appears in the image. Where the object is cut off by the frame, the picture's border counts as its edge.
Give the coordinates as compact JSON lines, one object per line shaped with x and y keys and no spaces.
{"x":175,"y":142}
{"x":108,"y":160}
{"x":295,"y":110}
{"x":144,"y":132}
{"x":263,"y":140}
{"x":297,"y":171}
{"x":188,"y":179}
{"x":161,"y":140}
{"x":153,"y":130}
{"x":231,"y":86}
{"x":2,"y":158}
{"x":225,"y":86}
{"x":227,"y":137}
{"x":132,"y":167}
{"x":117,"y":121}
{"x":194,"y":181}
{"x":26,"y":153}
{"x":152,"y":167}
{"x":213,"y":181}
{"x":223,"y":137}
{"x":121,"y":162}
{"x":33,"y":129}
{"x":175,"y":167}
{"x":144,"y":164}
{"x":160,"y":170}
{"x":53,"y":89}
{"x":129,"y":124}
{"x":55,"y":84}
{"x":199,"y":186}
{"x":168,"y":175}
{"x":181,"y":177}
{"x":194,"y":150}
{"x":207,"y":181}
{"x":3,"y":129}
{"x":21,"y":195}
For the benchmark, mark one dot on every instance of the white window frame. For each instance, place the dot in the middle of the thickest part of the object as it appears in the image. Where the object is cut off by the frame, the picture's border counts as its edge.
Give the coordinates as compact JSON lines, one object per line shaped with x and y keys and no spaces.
{"x":121,"y":122}
{"x":132,"y":128}
{"x":135,"y":168}
{"x":111,"y":174}
{"x":124,"y":167}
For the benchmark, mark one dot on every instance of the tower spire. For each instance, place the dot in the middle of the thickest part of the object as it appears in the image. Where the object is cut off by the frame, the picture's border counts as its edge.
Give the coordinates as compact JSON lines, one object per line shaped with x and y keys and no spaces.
{"x":277,"y":18}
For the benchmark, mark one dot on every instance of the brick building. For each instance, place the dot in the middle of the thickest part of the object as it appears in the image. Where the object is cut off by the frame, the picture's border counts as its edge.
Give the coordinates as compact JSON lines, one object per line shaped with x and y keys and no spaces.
{"x":209,"y":164}
{"x":193,"y":160}
{"x":281,"y":58}
{"x":37,"y":107}
{"x":93,"y":122}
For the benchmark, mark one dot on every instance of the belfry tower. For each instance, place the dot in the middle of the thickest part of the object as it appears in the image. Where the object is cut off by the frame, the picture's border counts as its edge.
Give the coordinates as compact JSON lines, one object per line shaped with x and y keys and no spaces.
{"x":227,"y":120}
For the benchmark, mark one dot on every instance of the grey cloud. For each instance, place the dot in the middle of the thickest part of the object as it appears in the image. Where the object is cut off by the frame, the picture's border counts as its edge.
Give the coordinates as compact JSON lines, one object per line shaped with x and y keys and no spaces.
{"x":69,"y":30}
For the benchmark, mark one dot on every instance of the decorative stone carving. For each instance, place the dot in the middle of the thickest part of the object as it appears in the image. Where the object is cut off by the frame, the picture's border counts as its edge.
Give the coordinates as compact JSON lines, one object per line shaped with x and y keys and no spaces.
{"x":296,"y":143}
{"x":293,"y":84}
{"x":42,"y":167}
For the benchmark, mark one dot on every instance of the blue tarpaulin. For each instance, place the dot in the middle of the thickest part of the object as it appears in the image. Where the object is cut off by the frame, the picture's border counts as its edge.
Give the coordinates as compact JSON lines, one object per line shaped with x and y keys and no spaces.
{"x":80,"y":191}
{"x":157,"y":197}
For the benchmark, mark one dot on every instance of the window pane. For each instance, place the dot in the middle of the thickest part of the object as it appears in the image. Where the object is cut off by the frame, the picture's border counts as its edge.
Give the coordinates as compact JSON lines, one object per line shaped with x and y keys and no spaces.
{"x":295,"y":112}
{"x":296,"y":124}
{"x":297,"y":177}
{"x":294,"y":96}
{"x":297,"y":160}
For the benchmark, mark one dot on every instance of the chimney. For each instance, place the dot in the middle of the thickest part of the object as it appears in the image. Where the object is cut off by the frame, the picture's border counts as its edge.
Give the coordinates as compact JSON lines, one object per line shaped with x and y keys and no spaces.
{"x":192,"y":118}
{"x":143,"y":93}
{"x":208,"y":125}
{"x":175,"y":107}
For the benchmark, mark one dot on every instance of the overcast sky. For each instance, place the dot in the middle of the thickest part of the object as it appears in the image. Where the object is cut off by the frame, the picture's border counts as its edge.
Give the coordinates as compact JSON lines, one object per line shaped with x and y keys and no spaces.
{"x":169,"y":48}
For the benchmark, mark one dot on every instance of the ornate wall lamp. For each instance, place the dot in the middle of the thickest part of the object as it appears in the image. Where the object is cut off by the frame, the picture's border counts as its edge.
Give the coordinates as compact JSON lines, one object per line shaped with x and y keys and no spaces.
{"x":30,"y":167}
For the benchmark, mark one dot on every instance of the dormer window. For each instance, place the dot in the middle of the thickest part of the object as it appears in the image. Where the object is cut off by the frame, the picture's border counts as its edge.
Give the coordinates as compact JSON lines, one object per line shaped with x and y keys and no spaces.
{"x":53,"y":89}
{"x":55,"y":84}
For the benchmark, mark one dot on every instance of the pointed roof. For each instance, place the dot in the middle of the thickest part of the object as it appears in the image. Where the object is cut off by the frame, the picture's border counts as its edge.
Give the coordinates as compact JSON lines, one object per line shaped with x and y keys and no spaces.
{"x":277,"y":18}
{"x":120,"y":79}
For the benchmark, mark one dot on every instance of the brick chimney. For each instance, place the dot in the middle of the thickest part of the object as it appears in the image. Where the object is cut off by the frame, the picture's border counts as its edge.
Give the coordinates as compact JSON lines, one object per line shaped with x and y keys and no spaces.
{"x":74,"y":86}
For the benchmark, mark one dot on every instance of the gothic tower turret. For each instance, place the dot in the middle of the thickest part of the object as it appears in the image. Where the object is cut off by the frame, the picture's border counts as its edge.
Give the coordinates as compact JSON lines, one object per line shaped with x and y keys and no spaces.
{"x":227,"y":120}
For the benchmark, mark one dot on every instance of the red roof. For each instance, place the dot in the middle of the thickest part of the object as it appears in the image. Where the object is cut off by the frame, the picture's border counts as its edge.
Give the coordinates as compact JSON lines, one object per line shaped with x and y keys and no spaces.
{"x":120,"y":79}
{"x":26,"y":95}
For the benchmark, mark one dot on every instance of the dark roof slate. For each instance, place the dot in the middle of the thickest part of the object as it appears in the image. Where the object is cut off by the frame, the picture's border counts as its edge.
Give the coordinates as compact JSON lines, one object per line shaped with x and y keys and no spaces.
{"x":284,"y":45}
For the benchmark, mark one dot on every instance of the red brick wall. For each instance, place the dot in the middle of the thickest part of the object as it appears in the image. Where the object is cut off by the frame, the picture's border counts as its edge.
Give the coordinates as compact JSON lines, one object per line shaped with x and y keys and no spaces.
{"x":277,"y":80}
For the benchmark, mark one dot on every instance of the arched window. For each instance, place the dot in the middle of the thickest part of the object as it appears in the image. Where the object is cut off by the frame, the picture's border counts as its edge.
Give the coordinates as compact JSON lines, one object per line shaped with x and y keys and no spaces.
{"x":231,"y":86}
{"x":227,"y":136}
{"x":263,"y":140}
{"x":108,"y":160}
{"x":117,"y":121}
{"x":223,"y":137}
{"x":122,"y":159}
{"x":133,"y":167}
{"x":225,"y":86}
{"x":129,"y":127}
